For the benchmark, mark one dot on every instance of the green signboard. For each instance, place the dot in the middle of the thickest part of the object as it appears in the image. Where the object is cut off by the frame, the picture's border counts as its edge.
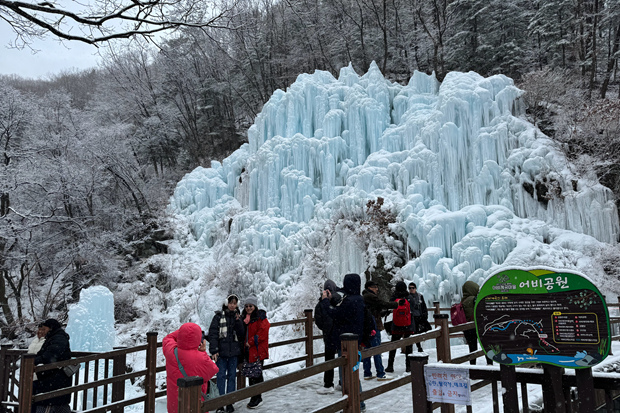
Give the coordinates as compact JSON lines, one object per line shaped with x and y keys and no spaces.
{"x":542,"y":316}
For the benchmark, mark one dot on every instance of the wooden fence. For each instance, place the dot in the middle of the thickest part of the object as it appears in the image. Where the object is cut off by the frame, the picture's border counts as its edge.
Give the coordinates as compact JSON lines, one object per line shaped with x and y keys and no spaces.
{"x":109,"y":373}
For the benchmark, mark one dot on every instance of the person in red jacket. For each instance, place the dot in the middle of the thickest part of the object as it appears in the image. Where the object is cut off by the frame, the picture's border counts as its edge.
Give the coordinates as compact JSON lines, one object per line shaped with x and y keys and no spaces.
{"x":192,"y":356}
{"x":256,"y":343}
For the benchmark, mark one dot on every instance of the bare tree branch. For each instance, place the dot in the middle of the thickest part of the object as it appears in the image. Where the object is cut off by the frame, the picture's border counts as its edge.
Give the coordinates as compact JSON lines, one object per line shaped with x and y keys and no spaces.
{"x":111,"y":20}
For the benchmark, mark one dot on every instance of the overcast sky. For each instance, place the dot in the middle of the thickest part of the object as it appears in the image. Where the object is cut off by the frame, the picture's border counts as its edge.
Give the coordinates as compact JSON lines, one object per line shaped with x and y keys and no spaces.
{"x":52,"y":57}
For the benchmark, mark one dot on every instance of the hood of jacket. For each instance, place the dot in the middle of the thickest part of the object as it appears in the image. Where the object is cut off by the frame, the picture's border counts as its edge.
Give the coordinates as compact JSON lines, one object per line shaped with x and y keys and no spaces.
{"x":400,"y":290}
{"x":331,"y":286}
{"x":190,"y":336}
{"x":470,"y":289}
{"x":352,"y":284}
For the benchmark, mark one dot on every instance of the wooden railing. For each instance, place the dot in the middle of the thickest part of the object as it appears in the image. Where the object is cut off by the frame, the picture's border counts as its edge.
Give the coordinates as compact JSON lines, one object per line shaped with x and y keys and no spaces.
{"x":109,"y":371}
{"x":106,"y":378}
{"x":442,"y":334}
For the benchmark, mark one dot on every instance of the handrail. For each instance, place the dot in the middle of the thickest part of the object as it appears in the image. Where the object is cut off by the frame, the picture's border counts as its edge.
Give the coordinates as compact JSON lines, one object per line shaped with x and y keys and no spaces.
{"x":10,"y":356}
{"x":271,"y":384}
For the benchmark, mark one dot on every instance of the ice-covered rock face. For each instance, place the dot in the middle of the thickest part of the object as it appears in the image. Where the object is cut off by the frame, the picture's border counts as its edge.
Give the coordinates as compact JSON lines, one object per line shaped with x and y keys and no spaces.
{"x":473,"y":185}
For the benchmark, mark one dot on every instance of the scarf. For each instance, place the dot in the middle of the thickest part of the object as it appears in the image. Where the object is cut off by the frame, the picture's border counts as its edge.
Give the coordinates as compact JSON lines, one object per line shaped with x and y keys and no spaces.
{"x":224,"y":327}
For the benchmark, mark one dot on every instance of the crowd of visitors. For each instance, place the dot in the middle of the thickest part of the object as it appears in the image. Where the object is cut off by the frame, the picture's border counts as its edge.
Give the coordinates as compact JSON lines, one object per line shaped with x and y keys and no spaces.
{"x":239,"y":339}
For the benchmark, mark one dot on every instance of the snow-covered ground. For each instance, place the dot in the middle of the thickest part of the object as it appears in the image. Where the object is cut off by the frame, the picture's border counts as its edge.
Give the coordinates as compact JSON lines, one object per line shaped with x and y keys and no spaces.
{"x":302,"y":397}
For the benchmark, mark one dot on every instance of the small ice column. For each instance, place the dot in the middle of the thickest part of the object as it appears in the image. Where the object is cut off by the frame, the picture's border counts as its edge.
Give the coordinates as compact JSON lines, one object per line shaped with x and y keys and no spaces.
{"x":91,"y":321}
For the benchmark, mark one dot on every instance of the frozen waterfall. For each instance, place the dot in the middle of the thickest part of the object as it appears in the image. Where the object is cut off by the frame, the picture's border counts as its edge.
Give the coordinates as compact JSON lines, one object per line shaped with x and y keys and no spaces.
{"x":468,"y":178}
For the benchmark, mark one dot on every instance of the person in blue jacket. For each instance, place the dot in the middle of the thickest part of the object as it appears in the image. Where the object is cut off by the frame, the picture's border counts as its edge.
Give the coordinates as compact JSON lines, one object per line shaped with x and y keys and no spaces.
{"x":225,"y":336}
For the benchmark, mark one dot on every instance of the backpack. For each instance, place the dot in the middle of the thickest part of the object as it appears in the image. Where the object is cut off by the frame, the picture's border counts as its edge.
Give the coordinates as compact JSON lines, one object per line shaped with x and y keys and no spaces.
{"x":401,"y":316}
{"x":457,"y":314}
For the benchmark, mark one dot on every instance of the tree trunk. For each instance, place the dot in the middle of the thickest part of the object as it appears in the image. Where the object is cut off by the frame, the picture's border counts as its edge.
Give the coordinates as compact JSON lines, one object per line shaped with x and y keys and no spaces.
{"x":611,"y":63}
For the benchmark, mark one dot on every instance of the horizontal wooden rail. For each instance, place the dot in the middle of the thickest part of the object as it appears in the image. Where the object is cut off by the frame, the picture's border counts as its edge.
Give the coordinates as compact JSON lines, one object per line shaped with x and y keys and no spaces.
{"x":287,"y":342}
{"x":468,"y":357}
{"x":334,"y":407}
{"x":284,"y":362}
{"x":384,"y":388}
{"x":461,"y":327}
{"x":272,"y":384}
{"x":116,"y":405}
{"x":89,"y":385}
{"x":92,"y":357}
{"x":393,"y":345}
{"x":287,"y":322}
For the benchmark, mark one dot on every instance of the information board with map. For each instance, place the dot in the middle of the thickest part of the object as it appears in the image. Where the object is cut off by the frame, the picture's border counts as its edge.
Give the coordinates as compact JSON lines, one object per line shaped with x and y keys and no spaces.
{"x":542,"y":316}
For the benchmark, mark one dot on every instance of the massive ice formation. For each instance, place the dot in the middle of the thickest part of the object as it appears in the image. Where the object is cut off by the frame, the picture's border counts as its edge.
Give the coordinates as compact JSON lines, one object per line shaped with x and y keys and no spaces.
{"x":468,"y":178}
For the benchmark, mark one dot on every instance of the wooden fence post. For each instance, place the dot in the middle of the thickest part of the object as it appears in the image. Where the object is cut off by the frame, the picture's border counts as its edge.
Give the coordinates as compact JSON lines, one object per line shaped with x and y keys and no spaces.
{"x":508,"y":375}
{"x":119,"y":367}
{"x":553,"y":392}
{"x":190,"y":394}
{"x":350,"y":374}
{"x":585,"y":390}
{"x":443,"y":341}
{"x":151,"y":372}
{"x":494,"y":390}
{"x":25,"y":383}
{"x":436,"y":305}
{"x":4,"y":375}
{"x":309,"y":338}
{"x":443,"y":350}
{"x":421,"y":404}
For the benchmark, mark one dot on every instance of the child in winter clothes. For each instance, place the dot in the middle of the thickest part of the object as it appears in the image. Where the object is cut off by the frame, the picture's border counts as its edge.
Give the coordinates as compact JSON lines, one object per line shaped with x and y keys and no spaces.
{"x":256,"y":343}
{"x":225,"y":336}
{"x":191,"y":350}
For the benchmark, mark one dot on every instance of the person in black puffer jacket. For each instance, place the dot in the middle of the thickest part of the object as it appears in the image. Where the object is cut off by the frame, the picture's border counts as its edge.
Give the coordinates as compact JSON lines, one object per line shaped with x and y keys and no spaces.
{"x":349,"y":315}
{"x":55,"y":348}
{"x":324,"y":322}
{"x":399,"y":332}
{"x":225,"y":336}
{"x":419,"y":312}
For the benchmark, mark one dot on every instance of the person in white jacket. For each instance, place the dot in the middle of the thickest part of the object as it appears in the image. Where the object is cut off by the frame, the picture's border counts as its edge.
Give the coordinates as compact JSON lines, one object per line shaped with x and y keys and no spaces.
{"x":37,"y":342}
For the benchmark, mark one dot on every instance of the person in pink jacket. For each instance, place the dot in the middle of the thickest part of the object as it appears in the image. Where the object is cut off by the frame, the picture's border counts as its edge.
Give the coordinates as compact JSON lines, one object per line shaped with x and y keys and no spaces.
{"x":193,"y":357}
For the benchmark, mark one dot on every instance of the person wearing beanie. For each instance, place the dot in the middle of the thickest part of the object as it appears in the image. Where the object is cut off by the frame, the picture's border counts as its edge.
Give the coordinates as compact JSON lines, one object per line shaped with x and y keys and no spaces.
{"x":377,"y":307}
{"x":225,"y":336}
{"x":186,"y":347}
{"x":55,"y":348}
{"x":419,"y":312}
{"x":400,"y":332}
{"x":326,"y":324}
{"x":256,"y":342}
